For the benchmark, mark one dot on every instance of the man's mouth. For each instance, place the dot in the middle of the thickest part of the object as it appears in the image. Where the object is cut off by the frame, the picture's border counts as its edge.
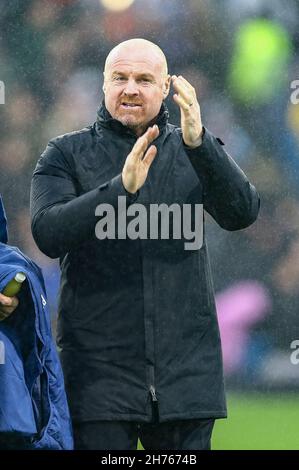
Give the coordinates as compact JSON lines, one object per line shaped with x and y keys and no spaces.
{"x":130,"y":105}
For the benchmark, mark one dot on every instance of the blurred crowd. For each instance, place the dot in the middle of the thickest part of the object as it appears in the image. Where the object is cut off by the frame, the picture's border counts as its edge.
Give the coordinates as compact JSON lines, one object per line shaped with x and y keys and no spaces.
{"x":241,"y":56}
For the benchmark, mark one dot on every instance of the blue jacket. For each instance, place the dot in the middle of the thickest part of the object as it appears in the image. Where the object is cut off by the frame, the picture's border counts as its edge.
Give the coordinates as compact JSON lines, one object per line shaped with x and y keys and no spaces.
{"x":32,"y":396}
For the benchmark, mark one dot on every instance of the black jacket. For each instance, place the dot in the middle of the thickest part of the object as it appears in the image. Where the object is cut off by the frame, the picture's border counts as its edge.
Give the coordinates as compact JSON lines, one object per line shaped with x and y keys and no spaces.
{"x":137,"y":320}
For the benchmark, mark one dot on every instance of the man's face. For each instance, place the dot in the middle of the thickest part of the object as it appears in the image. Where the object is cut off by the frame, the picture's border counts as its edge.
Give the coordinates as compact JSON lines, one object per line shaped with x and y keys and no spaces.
{"x":135,"y":86}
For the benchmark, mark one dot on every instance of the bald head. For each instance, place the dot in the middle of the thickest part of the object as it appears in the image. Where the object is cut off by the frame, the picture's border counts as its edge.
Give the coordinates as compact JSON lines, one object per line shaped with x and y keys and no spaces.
{"x":135,"y":83}
{"x":137,"y":48}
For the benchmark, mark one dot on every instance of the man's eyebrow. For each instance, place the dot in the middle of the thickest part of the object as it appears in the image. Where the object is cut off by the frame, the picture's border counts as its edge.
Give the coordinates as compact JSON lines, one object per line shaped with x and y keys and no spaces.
{"x":141,"y":74}
{"x":146,"y":74}
{"x":116,"y":72}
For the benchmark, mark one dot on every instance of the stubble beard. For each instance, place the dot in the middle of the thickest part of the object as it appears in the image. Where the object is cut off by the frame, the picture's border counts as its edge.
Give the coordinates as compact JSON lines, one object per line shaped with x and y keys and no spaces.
{"x":130,"y":122}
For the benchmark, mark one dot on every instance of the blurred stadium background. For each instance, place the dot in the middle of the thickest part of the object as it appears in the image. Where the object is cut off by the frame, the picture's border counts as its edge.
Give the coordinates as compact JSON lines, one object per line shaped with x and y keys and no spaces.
{"x":241,"y":56}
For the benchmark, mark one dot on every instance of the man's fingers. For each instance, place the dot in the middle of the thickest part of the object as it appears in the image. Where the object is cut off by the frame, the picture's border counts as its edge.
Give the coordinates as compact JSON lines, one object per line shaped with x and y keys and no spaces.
{"x":7,"y":306}
{"x":188,"y":85}
{"x":181,"y":81}
{"x":5,"y":311}
{"x":184,"y":91}
{"x":181,"y":102}
{"x":144,"y":141}
{"x":150,"y":135}
{"x":150,"y":155}
{"x":8,"y":301}
{"x":4,"y":300}
{"x":14,"y":302}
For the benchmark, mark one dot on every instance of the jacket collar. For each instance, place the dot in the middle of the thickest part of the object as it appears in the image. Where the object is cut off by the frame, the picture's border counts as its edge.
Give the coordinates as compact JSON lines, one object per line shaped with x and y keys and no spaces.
{"x":104,"y":119}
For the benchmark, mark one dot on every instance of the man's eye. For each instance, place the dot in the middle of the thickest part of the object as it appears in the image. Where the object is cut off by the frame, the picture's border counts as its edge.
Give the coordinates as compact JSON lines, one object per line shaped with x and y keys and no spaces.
{"x":119,"y":78}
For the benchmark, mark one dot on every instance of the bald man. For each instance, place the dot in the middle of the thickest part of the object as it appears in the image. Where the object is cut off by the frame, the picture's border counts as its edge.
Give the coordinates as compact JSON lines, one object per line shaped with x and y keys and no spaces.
{"x":137,"y":323}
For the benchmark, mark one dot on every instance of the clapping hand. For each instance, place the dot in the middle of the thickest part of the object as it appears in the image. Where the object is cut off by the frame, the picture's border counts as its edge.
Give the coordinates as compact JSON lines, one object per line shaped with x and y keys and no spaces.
{"x":185,"y":98}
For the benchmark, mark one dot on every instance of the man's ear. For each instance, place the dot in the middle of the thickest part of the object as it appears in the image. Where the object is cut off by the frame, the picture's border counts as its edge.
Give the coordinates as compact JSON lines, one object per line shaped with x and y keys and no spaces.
{"x":166,"y":86}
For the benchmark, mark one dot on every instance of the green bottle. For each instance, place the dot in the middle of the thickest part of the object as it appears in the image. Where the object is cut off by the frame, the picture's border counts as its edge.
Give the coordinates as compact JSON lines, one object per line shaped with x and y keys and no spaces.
{"x":14,"y":286}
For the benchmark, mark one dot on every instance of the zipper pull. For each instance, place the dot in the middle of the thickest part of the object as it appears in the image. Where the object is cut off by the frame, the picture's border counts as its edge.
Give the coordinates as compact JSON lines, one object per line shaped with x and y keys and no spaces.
{"x":153,"y":393}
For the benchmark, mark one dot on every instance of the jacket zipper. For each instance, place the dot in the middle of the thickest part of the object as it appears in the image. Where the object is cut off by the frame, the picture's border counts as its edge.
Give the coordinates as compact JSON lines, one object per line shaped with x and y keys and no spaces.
{"x":153,"y":393}
{"x":155,"y":404}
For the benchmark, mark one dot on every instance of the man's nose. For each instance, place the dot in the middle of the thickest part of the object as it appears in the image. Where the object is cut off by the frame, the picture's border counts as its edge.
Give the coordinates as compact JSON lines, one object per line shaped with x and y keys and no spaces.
{"x":131,"y":88}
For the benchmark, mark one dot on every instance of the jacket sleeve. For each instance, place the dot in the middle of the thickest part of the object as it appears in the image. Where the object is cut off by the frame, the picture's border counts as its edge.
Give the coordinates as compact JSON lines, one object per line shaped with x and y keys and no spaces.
{"x":228,"y":195}
{"x":60,"y":218}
